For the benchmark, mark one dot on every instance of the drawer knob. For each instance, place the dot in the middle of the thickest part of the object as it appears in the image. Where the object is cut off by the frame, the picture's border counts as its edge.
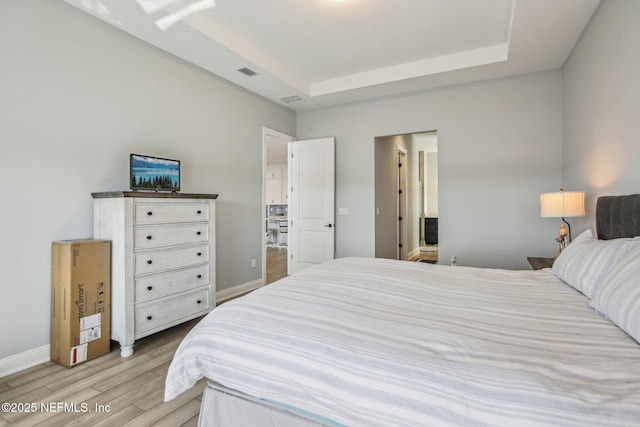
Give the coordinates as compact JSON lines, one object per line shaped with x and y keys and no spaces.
{"x":149,"y":288}
{"x":149,"y":317}
{"x":198,"y":233}
{"x":199,"y":253}
{"x":199,"y":276}
{"x":199,"y":301}
{"x":199,"y":212}
{"x":149,"y":213}
{"x":149,"y":262}
{"x":149,"y":237}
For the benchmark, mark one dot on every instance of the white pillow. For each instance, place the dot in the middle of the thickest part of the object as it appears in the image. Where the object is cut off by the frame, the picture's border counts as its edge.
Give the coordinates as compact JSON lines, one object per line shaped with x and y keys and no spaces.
{"x":618,"y":297}
{"x":586,"y":261}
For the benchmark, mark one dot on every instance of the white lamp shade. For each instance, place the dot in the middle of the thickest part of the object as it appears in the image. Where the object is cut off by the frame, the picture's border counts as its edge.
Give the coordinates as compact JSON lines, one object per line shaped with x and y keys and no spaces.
{"x":562,"y":204}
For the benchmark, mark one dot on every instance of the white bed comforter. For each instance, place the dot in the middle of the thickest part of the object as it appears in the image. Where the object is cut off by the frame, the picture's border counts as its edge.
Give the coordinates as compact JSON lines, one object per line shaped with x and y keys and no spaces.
{"x":372,"y":342}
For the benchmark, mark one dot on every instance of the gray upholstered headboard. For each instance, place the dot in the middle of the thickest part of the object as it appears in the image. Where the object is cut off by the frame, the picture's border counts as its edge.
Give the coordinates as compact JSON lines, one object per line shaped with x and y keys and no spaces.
{"x":618,"y":216}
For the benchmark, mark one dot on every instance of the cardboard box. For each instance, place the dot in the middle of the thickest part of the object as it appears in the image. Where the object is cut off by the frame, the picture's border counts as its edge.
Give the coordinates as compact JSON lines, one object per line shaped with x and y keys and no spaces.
{"x":80,"y":300}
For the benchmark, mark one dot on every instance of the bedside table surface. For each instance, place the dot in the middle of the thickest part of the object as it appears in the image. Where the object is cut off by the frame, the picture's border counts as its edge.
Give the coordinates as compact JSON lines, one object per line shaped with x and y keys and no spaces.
{"x":538,"y":263}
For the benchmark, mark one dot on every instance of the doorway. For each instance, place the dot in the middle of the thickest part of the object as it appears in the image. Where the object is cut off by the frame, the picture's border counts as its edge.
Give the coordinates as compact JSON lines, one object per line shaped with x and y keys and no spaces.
{"x":275,"y":238}
{"x":411,"y":234}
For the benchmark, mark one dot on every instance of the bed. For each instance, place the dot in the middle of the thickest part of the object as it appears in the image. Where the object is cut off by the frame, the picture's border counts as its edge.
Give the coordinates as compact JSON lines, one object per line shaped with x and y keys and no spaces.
{"x":375,"y":342}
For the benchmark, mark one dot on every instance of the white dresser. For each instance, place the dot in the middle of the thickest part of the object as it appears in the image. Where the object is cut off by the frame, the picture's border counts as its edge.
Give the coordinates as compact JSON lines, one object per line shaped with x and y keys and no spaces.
{"x":162,"y":259}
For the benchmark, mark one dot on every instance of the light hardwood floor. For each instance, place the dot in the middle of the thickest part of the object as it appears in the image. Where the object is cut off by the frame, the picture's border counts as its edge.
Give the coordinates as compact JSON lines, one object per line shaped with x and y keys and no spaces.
{"x":129,"y":391}
{"x":276,"y":264}
{"x":428,"y":253}
{"x":132,"y":387}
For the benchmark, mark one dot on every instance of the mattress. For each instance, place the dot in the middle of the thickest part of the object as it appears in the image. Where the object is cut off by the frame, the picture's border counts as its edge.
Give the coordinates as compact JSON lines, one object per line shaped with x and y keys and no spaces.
{"x":374,"y":342}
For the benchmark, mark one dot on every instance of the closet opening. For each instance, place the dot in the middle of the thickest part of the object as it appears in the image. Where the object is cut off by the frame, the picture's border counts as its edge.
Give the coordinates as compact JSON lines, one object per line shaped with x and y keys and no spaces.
{"x":406,"y":196}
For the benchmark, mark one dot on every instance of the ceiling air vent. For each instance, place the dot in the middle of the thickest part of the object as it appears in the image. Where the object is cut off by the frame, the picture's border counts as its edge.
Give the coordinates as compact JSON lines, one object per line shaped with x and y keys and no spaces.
{"x":292,"y":99}
{"x":247,"y":72}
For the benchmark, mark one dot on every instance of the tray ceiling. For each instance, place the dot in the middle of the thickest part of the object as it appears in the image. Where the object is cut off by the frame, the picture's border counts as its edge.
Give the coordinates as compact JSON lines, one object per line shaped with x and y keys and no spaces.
{"x":314,"y":53}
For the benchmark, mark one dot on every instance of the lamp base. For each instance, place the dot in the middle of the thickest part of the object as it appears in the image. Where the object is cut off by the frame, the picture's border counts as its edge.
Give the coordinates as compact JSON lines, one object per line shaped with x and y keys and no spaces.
{"x":568,"y":226}
{"x":562,"y":244}
{"x":562,"y":238}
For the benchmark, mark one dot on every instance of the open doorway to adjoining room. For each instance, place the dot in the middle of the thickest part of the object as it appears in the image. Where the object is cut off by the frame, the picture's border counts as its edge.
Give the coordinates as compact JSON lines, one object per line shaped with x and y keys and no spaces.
{"x":406,"y":196}
{"x":275,"y":230}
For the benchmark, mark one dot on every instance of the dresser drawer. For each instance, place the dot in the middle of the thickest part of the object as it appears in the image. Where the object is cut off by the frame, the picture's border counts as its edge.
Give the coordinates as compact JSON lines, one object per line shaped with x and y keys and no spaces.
{"x":156,"y":315}
{"x":148,"y":288}
{"x":167,"y":212}
{"x":169,"y":235}
{"x":169,"y":259}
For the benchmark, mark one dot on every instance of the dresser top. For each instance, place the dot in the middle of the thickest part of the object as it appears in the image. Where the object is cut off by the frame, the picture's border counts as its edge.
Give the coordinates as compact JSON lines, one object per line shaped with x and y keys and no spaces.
{"x":153,"y":194}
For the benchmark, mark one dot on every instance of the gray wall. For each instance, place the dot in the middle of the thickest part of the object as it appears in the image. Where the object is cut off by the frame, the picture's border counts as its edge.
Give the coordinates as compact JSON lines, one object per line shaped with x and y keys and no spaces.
{"x":499,"y":147}
{"x":74,"y":90}
{"x":602,"y":107}
{"x":76,"y":97}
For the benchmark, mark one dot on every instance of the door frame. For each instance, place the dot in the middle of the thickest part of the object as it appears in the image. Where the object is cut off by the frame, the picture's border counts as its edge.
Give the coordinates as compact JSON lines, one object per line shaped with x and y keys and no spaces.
{"x":266,"y":133}
{"x":401,"y":203}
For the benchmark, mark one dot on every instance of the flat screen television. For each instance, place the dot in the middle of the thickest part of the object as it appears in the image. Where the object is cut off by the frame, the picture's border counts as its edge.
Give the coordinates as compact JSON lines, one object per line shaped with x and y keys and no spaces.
{"x":154,"y":173}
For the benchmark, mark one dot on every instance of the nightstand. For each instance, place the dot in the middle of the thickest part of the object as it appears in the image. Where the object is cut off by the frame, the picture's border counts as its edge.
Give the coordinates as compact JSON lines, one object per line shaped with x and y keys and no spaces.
{"x":538,"y":263}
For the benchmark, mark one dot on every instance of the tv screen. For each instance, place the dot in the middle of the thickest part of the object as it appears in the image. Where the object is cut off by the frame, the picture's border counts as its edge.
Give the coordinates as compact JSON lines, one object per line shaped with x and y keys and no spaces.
{"x":154,"y":173}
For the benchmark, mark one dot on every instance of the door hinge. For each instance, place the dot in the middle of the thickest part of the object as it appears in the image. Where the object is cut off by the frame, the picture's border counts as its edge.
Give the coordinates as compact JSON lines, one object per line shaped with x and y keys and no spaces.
{"x":399,"y":191}
{"x":399,"y":218}
{"x":400,"y":245}
{"x":399,"y":165}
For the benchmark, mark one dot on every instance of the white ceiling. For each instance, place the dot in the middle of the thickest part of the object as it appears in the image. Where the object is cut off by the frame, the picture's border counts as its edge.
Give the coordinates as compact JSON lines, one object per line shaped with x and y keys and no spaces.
{"x":328,"y":52}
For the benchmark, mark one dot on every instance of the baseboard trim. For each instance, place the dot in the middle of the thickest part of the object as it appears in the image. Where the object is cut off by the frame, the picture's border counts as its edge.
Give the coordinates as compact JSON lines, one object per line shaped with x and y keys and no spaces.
{"x":26,"y":359}
{"x":414,"y":255}
{"x":18,"y":362}
{"x":235,"y":291}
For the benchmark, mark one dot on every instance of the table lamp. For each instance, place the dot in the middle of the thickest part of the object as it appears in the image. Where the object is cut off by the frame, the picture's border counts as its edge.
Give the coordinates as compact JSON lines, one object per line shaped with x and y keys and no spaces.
{"x":562,"y":204}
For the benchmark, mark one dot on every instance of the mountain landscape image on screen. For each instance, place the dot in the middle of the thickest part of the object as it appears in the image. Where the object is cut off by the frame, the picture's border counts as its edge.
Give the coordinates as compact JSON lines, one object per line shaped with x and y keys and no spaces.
{"x":154,"y":173}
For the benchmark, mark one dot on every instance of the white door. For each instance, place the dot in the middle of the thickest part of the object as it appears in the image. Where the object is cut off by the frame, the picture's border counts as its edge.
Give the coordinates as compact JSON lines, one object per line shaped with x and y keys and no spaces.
{"x":311,"y":202}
